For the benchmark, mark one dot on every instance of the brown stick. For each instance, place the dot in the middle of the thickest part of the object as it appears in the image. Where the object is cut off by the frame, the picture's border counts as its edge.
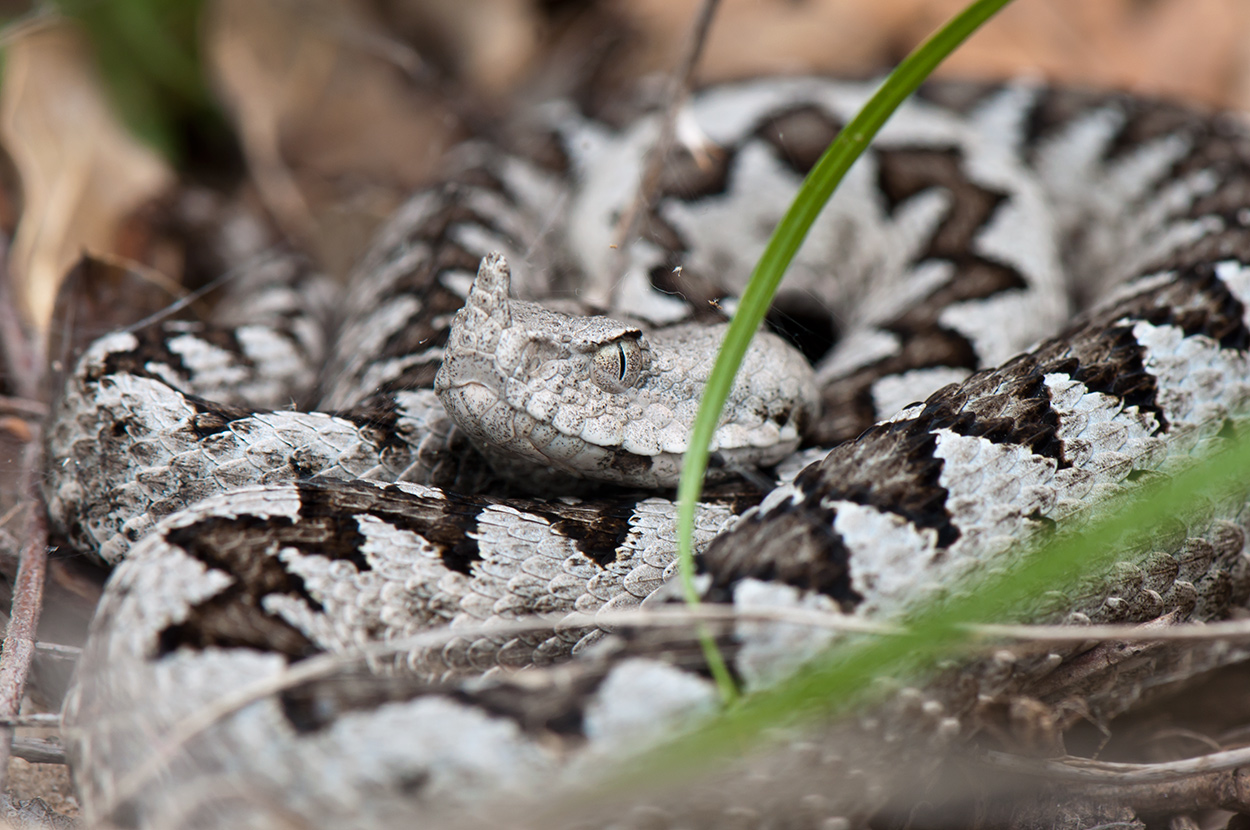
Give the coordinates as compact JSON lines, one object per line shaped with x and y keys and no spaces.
{"x":675,"y":98}
{"x":1228,"y":790}
{"x":1088,"y":771}
{"x":23,"y":407}
{"x":41,"y":720}
{"x":19,"y":638}
{"x":56,"y":651}
{"x":38,"y":751}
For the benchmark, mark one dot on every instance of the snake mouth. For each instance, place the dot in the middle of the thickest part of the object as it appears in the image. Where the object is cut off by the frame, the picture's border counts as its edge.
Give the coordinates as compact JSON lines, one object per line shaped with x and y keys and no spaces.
{"x":515,"y":443}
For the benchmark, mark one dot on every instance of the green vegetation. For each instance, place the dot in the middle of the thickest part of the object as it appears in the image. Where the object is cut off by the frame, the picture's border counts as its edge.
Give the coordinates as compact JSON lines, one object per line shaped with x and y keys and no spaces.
{"x":148,"y":52}
{"x":815,"y":191}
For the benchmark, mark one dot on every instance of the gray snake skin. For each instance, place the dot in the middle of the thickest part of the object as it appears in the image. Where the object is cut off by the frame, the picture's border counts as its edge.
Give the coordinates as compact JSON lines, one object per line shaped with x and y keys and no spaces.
{"x":1060,"y":279}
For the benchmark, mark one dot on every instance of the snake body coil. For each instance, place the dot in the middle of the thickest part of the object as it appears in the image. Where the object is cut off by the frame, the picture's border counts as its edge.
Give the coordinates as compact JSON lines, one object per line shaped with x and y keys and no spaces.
{"x":306,"y":601}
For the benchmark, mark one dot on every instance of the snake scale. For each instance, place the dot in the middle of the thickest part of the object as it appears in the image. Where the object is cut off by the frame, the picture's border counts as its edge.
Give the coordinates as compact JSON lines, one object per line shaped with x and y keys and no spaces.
{"x":1060,"y":279}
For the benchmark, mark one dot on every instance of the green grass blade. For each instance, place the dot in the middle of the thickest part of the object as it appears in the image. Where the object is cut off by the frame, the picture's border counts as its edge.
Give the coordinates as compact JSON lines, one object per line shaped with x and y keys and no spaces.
{"x":149,"y":55}
{"x":781,"y":248}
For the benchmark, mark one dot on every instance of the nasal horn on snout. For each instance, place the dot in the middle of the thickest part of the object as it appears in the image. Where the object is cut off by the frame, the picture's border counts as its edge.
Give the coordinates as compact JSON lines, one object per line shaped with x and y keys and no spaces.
{"x":489,"y":294}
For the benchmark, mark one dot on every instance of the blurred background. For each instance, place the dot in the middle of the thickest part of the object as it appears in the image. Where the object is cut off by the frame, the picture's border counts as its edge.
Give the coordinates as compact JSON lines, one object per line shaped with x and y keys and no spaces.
{"x":171,"y":136}
{"x":125,"y":122}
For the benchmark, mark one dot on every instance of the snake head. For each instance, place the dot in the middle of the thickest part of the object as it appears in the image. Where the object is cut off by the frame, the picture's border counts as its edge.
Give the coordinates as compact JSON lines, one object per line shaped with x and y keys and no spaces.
{"x":596,"y":398}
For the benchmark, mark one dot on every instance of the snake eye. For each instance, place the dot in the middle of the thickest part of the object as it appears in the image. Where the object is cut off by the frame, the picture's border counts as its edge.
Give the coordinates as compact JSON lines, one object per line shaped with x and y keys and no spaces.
{"x":617,"y":364}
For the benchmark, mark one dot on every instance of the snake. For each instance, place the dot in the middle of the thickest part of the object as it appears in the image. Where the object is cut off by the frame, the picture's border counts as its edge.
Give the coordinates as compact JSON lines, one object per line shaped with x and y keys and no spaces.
{"x":375,"y":547}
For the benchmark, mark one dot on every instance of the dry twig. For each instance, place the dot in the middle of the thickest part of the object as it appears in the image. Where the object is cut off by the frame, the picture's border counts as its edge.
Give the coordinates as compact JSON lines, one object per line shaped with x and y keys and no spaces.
{"x":674,"y":99}
{"x":24,"y":360}
{"x":38,"y":751}
{"x":56,"y":651}
{"x":19,"y":638}
{"x":1088,"y":771}
{"x":23,"y":407}
{"x":1226,"y":790}
{"x":41,"y":720}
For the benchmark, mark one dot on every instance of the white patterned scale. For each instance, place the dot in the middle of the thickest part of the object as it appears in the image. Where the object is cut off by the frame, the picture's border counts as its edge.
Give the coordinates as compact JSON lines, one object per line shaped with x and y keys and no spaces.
{"x":957,"y":243}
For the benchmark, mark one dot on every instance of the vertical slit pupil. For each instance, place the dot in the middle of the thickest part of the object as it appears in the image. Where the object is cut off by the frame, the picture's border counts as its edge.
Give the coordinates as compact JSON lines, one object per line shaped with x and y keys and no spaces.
{"x":620,"y":359}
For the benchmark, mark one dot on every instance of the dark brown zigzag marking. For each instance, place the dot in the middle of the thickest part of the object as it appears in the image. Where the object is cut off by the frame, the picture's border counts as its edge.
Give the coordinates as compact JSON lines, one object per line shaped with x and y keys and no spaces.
{"x":847,"y":402}
{"x":923,"y":341}
{"x":800,"y":135}
{"x":597,"y":528}
{"x":327,"y":526}
{"x":153,"y":347}
{"x":1215,"y":140}
{"x":437,"y":303}
{"x":234,"y":618}
{"x":550,"y":705}
{"x":797,"y":135}
{"x":1111,"y":363}
{"x":1148,"y":122}
{"x":1211,"y":309}
{"x":825,"y":567}
{"x":1011,"y":404}
{"x":553,"y":709}
{"x":377,"y":417}
{"x":1056,"y":109}
{"x":332,"y":508}
{"x":904,"y":173}
{"x":212,"y":417}
{"x":961,"y":97}
{"x":1196,"y":301}
{"x":891,"y":466}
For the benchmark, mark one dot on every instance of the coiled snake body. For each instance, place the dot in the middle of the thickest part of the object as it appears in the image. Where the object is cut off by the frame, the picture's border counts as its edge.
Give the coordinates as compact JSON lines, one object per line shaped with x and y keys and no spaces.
{"x":256,"y":541}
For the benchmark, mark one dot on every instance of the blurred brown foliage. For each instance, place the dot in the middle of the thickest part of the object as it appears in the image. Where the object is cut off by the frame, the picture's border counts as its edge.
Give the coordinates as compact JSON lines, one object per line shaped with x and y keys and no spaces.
{"x":341,"y":107}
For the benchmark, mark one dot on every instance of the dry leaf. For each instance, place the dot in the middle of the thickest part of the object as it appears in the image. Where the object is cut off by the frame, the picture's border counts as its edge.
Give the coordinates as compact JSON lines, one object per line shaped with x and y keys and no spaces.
{"x":83,"y":175}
